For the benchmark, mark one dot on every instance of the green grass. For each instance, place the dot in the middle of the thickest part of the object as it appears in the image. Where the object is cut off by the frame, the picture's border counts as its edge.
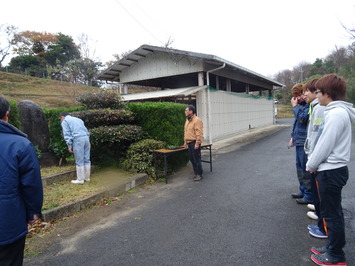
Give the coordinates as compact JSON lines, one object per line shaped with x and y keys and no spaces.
{"x":284,"y":111}
{"x":45,"y":92}
{"x":64,"y":192}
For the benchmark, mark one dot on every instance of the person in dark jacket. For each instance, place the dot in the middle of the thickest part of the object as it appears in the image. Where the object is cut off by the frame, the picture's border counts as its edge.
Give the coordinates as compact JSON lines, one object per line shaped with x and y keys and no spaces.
{"x":21,"y":192}
{"x":298,"y":138}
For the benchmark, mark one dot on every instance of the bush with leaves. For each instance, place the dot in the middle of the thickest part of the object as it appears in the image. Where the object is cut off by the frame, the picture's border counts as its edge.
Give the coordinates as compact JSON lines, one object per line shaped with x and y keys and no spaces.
{"x":100,"y":100}
{"x":113,"y":141}
{"x":139,"y":158}
{"x":161,"y":120}
{"x":104,"y":117}
{"x":14,"y":115}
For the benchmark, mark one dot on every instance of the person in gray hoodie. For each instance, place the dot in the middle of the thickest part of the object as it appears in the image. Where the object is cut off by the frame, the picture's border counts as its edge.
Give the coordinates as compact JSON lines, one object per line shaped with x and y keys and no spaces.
{"x":316,"y":114}
{"x":329,"y":161}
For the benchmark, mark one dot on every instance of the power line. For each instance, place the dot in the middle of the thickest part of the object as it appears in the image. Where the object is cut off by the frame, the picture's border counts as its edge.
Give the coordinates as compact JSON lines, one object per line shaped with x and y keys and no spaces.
{"x":136,"y":20}
{"x":151,"y":19}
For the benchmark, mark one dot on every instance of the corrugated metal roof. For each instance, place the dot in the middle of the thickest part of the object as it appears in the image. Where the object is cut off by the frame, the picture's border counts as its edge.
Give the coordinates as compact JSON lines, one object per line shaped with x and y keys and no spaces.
{"x":113,"y":72}
{"x":183,"y":92}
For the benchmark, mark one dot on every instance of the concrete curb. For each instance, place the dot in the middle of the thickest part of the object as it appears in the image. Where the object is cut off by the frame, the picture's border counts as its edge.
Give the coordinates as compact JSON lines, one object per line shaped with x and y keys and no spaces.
{"x":48,"y":180}
{"x":76,"y":206}
{"x":235,"y":142}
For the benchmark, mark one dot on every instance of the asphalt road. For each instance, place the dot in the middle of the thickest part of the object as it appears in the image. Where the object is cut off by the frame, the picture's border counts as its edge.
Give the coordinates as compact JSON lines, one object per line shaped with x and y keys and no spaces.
{"x":240,"y":214}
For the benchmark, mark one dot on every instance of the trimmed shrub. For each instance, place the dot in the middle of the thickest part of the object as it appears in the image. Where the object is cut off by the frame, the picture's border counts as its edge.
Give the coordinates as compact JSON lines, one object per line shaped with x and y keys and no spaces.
{"x":140,"y":156}
{"x":105,"y":117}
{"x":57,"y":144}
{"x":113,"y":141}
{"x":162,"y":121}
{"x":14,"y":115}
{"x":100,"y":99}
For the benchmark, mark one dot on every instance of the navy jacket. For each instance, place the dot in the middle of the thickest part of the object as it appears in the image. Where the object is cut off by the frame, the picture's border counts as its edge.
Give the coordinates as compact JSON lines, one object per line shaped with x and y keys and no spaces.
{"x":21,"y":192}
{"x":299,"y":130}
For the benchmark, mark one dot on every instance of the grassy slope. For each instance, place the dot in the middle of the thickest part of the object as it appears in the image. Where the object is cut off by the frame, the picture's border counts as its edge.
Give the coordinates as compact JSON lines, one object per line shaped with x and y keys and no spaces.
{"x":45,"y":92}
{"x":284,"y":111}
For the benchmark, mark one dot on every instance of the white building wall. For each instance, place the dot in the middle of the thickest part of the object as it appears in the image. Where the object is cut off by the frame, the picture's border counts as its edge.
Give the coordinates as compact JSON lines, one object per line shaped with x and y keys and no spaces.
{"x":233,"y":113}
{"x":158,"y":64}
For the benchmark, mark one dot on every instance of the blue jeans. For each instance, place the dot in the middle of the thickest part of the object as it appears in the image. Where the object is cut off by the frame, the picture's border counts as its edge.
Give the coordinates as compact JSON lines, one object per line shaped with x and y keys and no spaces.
{"x":330,"y":185}
{"x":81,"y":149}
{"x":303,"y":176}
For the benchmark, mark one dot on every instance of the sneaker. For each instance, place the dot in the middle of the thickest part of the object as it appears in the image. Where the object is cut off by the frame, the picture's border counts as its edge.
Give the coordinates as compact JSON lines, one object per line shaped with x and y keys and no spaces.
{"x":319,"y":250}
{"x":311,"y":207}
{"x":312,"y":226}
{"x":87,"y":179}
{"x":77,"y":181}
{"x":297,"y":195}
{"x":317,"y":233}
{"x":303,"y":201}
{"x":312,"y":215}
{"x":198,"y":178}
{"x":326,"y":259}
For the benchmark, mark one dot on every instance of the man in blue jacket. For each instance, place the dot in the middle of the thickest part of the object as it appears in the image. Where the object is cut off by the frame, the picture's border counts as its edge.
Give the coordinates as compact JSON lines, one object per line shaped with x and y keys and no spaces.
{"x":21,"y":192}
{"x":298,"y":138}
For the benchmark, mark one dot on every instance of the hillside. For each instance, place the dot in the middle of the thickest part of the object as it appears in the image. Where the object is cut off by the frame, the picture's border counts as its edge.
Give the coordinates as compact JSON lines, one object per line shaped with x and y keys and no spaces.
{"x":45,"y":92}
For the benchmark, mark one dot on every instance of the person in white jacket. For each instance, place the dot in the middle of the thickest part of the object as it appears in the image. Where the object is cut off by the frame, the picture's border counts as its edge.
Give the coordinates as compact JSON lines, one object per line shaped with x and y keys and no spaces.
{"x":76,"y":136}
{"x":329,"y":161}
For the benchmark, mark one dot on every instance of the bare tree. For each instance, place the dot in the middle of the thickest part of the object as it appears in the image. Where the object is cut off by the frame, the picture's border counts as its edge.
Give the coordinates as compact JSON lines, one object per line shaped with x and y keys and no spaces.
{"x":300,"y":72}
{"x":7,"y":33}
{"x":339,"y":56}
{"x":351,"y":32}
{"x":169,"y":43}
{"x":85,"y":46}
{"x":117,"y":57}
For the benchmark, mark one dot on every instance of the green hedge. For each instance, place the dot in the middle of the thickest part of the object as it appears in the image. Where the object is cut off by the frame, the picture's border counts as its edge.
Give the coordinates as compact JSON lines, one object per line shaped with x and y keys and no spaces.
{"x":14,"y":115}
{"x":139,"y":157}
{"x":163,"y":121}
{"x":113,"y":141}
{"x":100,"y":99}
{"x":57,"y":143}
{"x":104,"y":117}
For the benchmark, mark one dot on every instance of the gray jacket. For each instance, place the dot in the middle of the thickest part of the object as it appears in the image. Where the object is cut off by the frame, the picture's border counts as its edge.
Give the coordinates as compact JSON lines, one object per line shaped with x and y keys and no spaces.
{"x":333,"y":148}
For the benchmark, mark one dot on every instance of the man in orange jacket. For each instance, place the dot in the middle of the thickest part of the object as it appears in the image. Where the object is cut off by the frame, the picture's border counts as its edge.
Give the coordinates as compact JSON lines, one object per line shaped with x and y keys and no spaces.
{"x":193,"y":134}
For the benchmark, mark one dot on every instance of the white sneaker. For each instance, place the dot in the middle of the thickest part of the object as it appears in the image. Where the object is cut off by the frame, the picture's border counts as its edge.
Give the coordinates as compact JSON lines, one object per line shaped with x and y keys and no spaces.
{"x":312,"y":215}
{"x":77,"y":181}
{"x":87,"y":179}
{"x":311,"y":207}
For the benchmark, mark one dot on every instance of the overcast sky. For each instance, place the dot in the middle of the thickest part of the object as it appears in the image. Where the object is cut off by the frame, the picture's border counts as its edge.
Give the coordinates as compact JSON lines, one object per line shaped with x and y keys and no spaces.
{"x":264,"y":36}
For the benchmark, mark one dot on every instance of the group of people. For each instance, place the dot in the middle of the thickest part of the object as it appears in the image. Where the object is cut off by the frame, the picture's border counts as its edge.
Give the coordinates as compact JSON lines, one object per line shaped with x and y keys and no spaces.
{"x":322,"y":134}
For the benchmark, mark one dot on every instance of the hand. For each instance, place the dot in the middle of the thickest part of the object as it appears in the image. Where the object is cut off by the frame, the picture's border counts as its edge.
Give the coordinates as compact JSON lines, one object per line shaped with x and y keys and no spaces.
{"x":294,"y":101}
{"x":35,"y":218}
{"x":290,"y":143}
{"x":196,"y":146}
{"x":311,"y":172}
{"x":185,"y":145}
{"x":70,"y":150}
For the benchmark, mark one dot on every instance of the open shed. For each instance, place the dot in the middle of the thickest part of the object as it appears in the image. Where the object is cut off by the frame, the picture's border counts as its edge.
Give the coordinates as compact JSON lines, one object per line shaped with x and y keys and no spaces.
{"x":229,"y":98}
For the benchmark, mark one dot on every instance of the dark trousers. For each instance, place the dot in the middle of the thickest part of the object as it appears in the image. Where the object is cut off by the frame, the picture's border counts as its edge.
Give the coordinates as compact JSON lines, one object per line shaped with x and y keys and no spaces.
{"x":330,"y":185}
{"x":316,"y":201}
{"x":195,"y":158}
{"x":12,"y":254}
